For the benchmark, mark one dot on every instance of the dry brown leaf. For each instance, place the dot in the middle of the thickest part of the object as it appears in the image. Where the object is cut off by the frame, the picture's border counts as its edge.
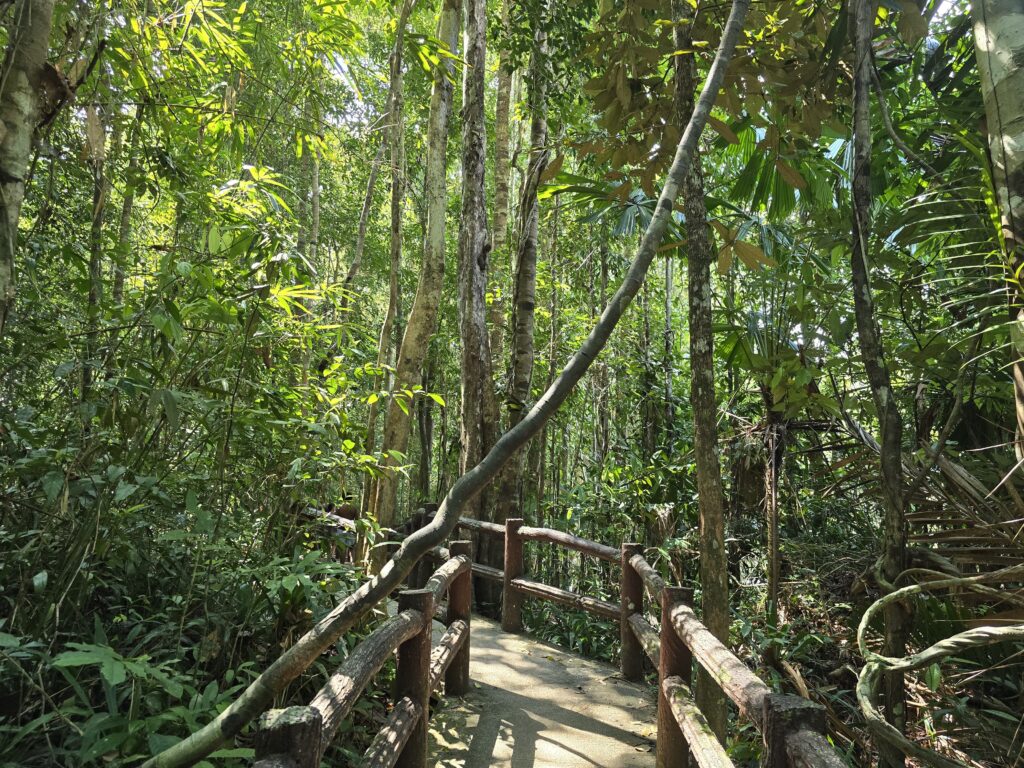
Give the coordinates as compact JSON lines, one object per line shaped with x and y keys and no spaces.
{"x":790,"y":175}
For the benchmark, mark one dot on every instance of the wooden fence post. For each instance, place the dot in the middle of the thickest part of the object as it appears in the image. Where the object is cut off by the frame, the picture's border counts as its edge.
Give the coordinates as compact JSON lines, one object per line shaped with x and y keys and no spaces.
{"x":289,"y":737}
{"x":412,"y":675}
{"x":511,"y":600}
{"x":674,"y":659}
{"x":424,"y":567}
{"x":631,"y":662}
{"x":785,"y":715}
{"x":460,"y":600}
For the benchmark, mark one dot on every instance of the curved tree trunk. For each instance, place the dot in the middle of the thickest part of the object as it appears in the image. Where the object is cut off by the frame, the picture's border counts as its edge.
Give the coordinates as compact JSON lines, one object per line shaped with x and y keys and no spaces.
{"x":292,"y":662}
{"x":714,"y":566}
{"x":422,"y":321}
{"x":30,"y":88}
{"x":873,"y":355}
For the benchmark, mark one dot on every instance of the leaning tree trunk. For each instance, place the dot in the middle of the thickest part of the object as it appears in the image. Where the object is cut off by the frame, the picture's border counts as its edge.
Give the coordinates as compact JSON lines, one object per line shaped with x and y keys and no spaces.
{"x":525,"y":294}
{"x":873,"y":354}
{"x":31,"y":89}
{"x":422,"y":319}
{"x":307,"y":649}
{"x":714,"y":565}
{"x":999,"y":39}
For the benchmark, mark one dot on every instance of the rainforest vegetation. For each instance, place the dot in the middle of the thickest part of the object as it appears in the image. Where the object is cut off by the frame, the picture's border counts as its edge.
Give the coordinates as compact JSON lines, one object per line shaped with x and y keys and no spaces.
{"x":277,"y":274}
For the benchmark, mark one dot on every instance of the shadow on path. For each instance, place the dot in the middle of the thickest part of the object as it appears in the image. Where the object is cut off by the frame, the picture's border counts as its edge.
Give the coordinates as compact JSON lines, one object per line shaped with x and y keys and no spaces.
{"x":534,"y":705}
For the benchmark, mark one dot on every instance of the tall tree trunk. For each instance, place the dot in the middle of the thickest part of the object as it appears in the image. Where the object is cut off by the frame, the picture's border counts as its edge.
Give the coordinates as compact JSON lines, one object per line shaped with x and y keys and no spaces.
{"x":873,"y":355}
{"x":396,"y":121}
{"x":294,"y":661}
{"x":714,"y":572}
{"x":999,"y":39}
{"x":422,"y":319}
{"x":96,"y":143}
{"x":124,"y":228}
{"x":525,"y":295}
{"x":669,"y":361}
{"x":30,"y":90}
{"x":364,"y":212}
{"x":479,"y":416}
{"x":775,"y":448}
{"x":502,"y":172}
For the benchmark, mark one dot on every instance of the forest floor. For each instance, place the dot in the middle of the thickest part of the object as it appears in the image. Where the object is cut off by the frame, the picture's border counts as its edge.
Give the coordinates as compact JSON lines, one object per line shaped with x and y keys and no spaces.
{"x":534,"y":705}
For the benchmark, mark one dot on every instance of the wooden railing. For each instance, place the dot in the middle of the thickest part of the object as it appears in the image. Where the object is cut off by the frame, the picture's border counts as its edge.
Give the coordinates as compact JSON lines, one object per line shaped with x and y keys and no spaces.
{"x":298,"y":737}
{"x":792,"y":728}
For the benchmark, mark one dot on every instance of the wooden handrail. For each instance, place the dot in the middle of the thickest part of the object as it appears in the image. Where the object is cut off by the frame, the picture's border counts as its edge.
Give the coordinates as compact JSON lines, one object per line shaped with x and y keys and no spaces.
{"x":390,"y":740}
{"x":335,"y":700}
{"x":792,"y":728}
{"x":531,"y":588}
{"x":298,"y":737}
{"x":567,"y":540}
{"x":450,"y":644}
{"x":743,"y":687}
{"x":651,"y":578}
{"x":707,"y":751}
{"x":442,"y":578}
{"x":647,"y":636}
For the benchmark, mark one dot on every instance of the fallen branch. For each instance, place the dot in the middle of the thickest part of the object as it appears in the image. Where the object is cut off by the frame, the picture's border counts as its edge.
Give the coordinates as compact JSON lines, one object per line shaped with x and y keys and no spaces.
{"x":261,"y":692}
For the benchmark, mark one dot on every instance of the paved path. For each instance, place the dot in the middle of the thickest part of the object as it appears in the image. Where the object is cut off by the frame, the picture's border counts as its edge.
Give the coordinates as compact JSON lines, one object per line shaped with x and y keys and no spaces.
{"x":536,"y":706}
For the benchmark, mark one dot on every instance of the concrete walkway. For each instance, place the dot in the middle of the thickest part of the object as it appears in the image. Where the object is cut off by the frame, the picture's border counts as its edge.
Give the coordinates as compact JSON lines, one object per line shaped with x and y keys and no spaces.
{"x":536,"y":706}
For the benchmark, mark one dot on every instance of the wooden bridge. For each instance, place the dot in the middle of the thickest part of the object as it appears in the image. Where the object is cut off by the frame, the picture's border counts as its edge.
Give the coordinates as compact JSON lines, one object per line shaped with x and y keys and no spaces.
{"x":602,"y":730}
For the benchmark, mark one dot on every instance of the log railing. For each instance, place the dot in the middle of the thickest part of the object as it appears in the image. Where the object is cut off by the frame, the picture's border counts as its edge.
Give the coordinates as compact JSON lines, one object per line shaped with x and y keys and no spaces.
{"x":298,"y":737}
{"x":793,"y":728}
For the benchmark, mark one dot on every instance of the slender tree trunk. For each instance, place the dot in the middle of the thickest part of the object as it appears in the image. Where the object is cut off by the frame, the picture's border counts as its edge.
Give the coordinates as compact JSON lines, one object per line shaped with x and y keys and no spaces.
{"x":525,"y":295}
{"x":96,"y":146}
{"x":396,"y":123}
{"x":775,"y":445}
{"x":669,"y":361}
{"x":478,"y":405}
{"x":479,"y":417}
{"x":124,"y":228}
{"x":364,"y":212}
{"x":714,"y":572}
{"x":426,"y":432}
{"x":294,"y":661}
{"x":999,"y":39}
{"x":29,"y":87}
{"x":502,"y":171}
{"x":422,"y":320}
{"x":873,"y":355}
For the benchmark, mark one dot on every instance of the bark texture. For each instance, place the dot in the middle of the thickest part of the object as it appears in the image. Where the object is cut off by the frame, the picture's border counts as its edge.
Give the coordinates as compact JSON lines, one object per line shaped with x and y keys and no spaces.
{"x":525,"y":293}
{"x":397,"y":148}
{"x":422,"y":321}
{"x":261,"y":692}
{"x":479,"y":417}
{"x":873,"y":356}
{"x":502,"y":169}
{"x":714,"y":572}
{"x":999,"y":43}
{"x":31,"y":90}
